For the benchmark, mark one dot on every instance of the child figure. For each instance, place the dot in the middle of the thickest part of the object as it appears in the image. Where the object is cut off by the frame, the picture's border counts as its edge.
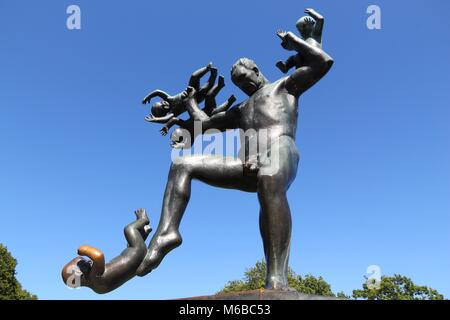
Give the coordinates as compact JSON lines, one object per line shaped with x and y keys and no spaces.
{"x":209,"y":109}
{"x":172,"y":106}
{"x":103,"y":278}
{"x":197,"y":114}
{"x":310,"y":28}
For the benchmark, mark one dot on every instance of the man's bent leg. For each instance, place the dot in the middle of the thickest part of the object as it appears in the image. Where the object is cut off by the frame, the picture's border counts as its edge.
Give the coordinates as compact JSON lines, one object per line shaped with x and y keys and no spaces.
{"x":214,"y":170}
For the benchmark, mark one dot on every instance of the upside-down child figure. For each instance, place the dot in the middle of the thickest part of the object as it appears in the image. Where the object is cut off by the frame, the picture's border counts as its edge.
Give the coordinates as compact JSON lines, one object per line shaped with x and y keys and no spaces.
{"x":101,"y":277}
{"x":310,"y":28}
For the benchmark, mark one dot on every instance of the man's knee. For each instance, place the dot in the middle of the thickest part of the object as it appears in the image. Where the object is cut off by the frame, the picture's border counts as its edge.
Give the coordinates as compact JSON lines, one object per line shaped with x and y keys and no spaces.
{"x":275,"y":184}
{"x":181,"y":165}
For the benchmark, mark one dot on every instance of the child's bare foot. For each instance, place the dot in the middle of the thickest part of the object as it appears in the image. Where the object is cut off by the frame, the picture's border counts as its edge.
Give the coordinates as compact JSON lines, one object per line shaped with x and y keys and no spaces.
{"x":141,"y":214}
{"x":147,"y":230}
{"x":213,"y":71}
{"x":232,"y":99}
{"x":221,"y":82}
{"x":282,"y":66}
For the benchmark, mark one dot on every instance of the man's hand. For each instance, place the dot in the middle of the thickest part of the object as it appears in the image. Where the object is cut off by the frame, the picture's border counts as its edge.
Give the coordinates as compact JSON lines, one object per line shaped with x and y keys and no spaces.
{"x":281,"y":34}
{"x":284,"y":36}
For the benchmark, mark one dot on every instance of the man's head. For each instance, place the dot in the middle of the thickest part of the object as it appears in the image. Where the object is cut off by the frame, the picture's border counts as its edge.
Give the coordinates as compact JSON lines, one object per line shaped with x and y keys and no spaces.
{"x":305,"y":25}
{"x":246,"y":75}
{"x":160,"y":108}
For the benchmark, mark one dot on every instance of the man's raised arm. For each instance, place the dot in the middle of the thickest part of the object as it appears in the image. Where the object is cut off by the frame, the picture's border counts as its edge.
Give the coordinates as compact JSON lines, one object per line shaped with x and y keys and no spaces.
{"x":318,"y":62}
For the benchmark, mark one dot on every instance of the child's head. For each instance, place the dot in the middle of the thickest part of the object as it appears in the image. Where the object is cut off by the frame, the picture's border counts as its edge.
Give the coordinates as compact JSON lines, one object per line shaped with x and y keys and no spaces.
{"x":160,"y":109}
{"x":81,"y":272}
{"x":76,"y":273}
{"x":305,"y":25}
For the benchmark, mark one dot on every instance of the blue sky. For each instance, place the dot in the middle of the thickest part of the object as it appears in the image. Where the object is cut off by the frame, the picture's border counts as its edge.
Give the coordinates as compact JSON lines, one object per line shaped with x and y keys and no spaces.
{"x":77,"y":156}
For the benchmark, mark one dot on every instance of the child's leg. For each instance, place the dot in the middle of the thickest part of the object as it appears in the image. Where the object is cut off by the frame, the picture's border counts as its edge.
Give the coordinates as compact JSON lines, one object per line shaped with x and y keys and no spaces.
{"x":194,"y":81}
{"x":226,"y":105}
{"x":284,"y":66}
{"x":203,"y":91}
{"x":292,"y":61}
{"x":210,"y":100}
{"x":136,"y":232}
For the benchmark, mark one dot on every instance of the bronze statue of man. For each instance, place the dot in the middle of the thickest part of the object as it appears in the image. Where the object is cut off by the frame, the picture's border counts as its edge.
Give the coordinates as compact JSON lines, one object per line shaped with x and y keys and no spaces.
{"x":272,"y":107}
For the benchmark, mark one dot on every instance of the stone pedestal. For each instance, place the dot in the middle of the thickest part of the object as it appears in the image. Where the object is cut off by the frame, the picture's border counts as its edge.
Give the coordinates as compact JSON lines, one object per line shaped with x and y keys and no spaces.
{"x":262,"y":294}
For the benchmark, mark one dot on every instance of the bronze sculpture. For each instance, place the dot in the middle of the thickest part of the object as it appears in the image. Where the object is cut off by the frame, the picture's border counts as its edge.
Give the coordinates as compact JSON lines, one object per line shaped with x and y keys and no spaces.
{"x":271,"y":107}
{"x":101,"y":277}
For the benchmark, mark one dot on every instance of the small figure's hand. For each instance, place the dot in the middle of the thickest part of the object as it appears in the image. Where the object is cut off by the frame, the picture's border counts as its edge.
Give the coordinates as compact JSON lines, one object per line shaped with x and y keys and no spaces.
{"x":164,"y":130}
{"x":281,"y":34}
{"x":209,"y":66}
{"x":309,"y":10}
{"x":190,"y":91}
{"x":284,"y":36}
{"x":149,"y":118}
{"x":146,"y":99}
{"x":177,"y":145}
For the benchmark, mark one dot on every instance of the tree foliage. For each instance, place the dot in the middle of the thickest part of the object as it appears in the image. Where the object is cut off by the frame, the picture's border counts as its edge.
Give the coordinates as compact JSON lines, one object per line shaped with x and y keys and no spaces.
{"x":10,"y":288}
{"x":255,"y":278}
{"x":396,"y":287}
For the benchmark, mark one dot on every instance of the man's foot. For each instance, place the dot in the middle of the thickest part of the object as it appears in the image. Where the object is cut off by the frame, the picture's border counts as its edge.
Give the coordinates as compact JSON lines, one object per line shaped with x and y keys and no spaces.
{"x":159,"y":247}
{"x":277,"y":283}
{"x":282,"y":66}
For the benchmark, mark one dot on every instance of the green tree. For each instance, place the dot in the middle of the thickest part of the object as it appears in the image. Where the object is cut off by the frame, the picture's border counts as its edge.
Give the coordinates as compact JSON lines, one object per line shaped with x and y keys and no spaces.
{"x":255,"y":277}
{"x":396,"y":287}
{"x":10,"y":288}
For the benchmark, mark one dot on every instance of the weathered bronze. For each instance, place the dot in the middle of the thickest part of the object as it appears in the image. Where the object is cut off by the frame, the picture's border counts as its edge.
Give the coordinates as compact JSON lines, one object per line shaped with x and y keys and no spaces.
{"x":272,"y":109}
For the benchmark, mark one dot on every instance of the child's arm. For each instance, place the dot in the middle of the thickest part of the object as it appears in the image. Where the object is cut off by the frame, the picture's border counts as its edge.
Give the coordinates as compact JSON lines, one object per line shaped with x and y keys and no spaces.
{"x":225,"y":106}
{"x":318,"y":28}
{"x":169,"y":124}
{"x":157,"y":93}
{"x":97,"y":257}
{"x":164,"y":119}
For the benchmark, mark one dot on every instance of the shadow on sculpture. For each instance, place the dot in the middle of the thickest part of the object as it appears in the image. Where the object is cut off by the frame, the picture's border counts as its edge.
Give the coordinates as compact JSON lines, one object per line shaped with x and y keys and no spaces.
{"x":267,"y":169}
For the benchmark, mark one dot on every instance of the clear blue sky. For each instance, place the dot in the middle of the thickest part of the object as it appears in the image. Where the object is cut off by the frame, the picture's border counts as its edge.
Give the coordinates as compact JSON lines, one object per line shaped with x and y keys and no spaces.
{"x":77,"y":156}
